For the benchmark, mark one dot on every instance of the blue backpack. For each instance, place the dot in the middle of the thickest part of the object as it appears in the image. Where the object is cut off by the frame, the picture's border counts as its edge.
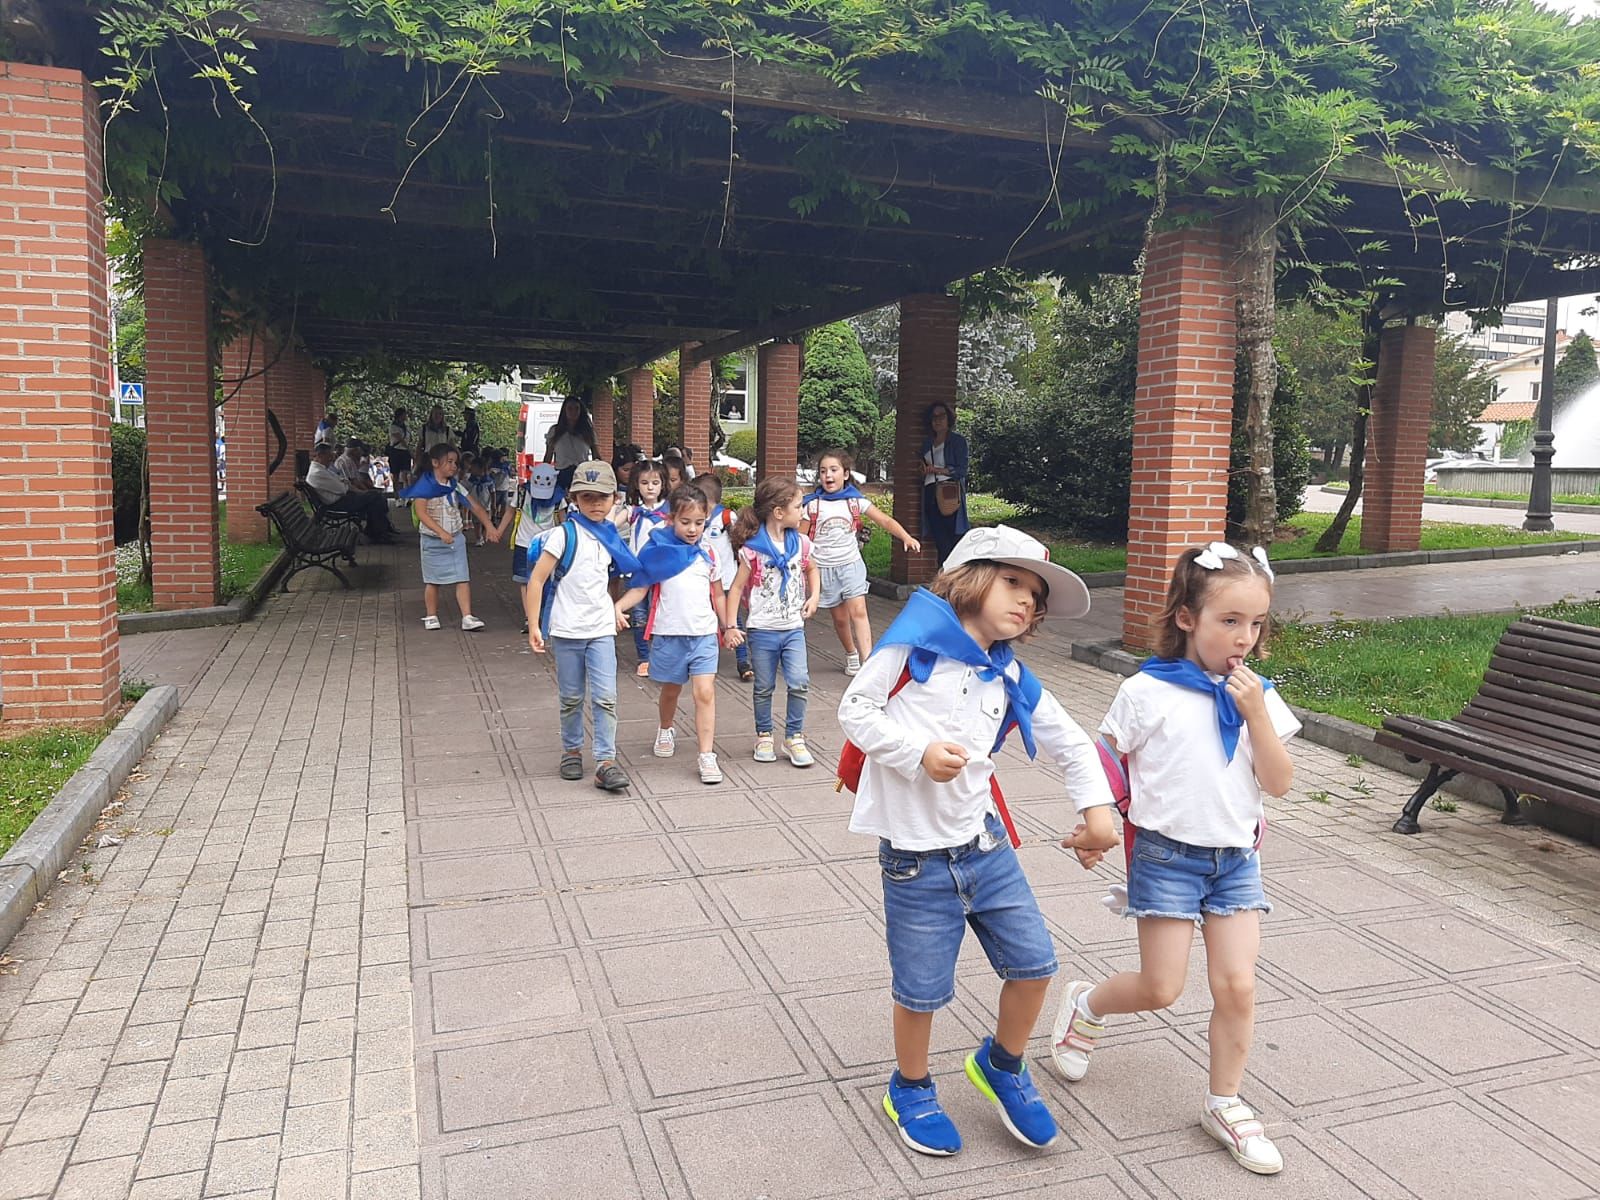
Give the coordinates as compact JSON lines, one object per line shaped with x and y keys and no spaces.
{"x":563,"y":564}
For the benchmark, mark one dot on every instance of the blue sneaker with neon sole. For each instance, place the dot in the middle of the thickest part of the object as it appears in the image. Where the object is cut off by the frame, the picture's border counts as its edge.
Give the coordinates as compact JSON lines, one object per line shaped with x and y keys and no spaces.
{"x":1021,"y":1109}
{"x":920,"y":1118}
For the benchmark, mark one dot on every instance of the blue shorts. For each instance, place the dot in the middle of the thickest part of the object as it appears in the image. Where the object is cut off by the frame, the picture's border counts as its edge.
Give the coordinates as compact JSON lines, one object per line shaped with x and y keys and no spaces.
{"x":1168,"y":878}
{"x":678,"y":657}
{"x":521,"y":568}
{"x":931,"y":896}
{"x":841,"y":583}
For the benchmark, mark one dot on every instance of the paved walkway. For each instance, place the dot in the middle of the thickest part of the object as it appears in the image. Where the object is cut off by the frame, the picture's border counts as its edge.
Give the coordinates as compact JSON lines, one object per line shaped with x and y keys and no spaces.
{"x":1317,"y":500}
{"x":358,"y":941}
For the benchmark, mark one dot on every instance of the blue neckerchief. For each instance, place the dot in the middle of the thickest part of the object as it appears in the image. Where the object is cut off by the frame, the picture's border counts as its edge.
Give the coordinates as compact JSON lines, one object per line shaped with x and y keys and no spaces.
{"x":666,"y":556}
{"x":778,"y":560}
{"x":1185,"y":673}
{"x":657,"y":514}
{"x":622,"y":560}
{"x":931,"y":628}
{"x":848,"y":492}
{"x":536,"y":507}
{"x":427,"y":487}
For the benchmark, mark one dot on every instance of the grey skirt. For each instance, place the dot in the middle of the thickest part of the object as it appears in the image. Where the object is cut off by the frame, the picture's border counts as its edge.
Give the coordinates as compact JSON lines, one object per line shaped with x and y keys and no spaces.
{"x":442,"y":563}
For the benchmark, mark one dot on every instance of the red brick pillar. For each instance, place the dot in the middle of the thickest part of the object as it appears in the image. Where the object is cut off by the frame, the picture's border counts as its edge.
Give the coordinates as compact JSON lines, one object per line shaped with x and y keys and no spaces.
{"x":1183,"y":412}
{"x":604,"y":416}
{"x":316,"y":399}
{"x":58,"y":577}
{"x":694,"y":407}
{"x":244,"y":411}
{"x":1397,"y":440}
{"x":930,"y":343}
{"x":642,"y":409}
{"x":282,"y":399}
{"x":778,"y":433}
{"x":179,"y":375}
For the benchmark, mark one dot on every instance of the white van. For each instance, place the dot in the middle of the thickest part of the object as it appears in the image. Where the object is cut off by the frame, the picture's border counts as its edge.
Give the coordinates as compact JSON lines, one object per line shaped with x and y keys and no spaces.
{"x":539,"y":413}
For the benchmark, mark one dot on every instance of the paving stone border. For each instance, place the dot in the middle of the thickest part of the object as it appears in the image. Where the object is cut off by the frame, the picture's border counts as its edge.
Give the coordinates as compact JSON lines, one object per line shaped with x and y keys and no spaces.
{"x":1347,"y":737}
{"x":31,"y":865}
{"x":241,"y":608}
{"x":1470,"y":502}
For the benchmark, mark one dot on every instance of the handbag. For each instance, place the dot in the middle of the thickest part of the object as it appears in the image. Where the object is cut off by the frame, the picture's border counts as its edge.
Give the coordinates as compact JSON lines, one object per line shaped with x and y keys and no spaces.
{"x":948,"y":497}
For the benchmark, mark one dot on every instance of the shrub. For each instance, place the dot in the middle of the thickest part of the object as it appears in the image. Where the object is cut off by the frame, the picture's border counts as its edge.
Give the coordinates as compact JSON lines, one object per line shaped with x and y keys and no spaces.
{"x":838,"y":403}
{"x":743,"y":446}
{"x":127,"y":480}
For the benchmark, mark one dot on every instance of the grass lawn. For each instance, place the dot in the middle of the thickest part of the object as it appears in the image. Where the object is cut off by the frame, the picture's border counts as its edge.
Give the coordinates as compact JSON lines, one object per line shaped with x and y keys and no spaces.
{"x":32,"y":766}
{"x":242,"y":565}
{"x":1419,"y":666}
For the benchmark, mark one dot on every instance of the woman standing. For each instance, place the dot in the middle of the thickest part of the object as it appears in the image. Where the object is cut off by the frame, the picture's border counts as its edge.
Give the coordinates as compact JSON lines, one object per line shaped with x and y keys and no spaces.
{"x":944,"y":480}
{"x":570,"y":440}
{"x":399,"y":451}
{"x":435,"y":433}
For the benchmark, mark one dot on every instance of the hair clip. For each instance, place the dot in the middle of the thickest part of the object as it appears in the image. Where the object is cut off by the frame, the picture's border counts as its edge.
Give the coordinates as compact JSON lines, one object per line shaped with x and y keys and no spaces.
{"x":1260,"y":555}
{"x":1211,"y":558}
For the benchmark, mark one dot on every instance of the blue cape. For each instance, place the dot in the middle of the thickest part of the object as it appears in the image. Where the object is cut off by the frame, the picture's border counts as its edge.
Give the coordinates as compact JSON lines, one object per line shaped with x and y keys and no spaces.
{"x":931,"y":628}
{"x":775,"y":559}
{"x":427,"y":487}
{"x":666,"y":556}
{"x":622,"y":560}
{"x":1187,"y":674}
{"x":848,"y":492}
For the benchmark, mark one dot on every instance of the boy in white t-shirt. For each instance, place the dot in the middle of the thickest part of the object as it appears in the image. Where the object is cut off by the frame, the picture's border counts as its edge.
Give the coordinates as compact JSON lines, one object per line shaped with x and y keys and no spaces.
{"x":688,"y":609}
{"x":719,"y":540}
{"x":582,"y":630}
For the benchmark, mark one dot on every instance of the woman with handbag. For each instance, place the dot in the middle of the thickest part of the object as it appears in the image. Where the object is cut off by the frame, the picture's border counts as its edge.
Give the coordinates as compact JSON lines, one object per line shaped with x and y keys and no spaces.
{"x":944,"y":480}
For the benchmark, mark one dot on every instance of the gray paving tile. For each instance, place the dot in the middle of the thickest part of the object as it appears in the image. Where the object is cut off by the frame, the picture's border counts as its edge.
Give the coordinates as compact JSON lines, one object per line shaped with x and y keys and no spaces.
{"x":497,"y":1082}
{"x":502,"y":993}
{"x":683,"y":969}
{"x":594,"y":1162}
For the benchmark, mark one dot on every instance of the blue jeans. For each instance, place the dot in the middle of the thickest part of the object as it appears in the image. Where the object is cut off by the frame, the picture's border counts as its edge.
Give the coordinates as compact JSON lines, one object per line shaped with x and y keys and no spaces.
{"x":769,"y":650}
{"x":741,"y":652}
{"x":1169,"y":878}
{"x":931,"y":896}
{"x":587,"y":665}
{"x":638,"y":619}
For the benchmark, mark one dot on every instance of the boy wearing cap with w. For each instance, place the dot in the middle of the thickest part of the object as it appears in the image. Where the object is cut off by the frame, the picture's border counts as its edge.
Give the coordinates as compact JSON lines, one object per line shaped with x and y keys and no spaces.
{"x":583,"y":627}
{"x":928,"y":711}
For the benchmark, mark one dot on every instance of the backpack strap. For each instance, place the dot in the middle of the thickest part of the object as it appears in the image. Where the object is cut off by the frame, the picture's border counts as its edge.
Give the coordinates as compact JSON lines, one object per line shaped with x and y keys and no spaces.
{"x":569,"y":551}
{"x":814,"y":514}
{"x":855,"y":514}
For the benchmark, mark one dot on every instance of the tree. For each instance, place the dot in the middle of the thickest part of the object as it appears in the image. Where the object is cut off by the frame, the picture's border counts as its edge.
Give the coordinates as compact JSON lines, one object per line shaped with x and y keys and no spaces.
{"x":1323,"y":345}
{"x":838,"y":404}
{"x":1577,"y":371}
{"x":1460,"y":394}
{"x":364,"y":396}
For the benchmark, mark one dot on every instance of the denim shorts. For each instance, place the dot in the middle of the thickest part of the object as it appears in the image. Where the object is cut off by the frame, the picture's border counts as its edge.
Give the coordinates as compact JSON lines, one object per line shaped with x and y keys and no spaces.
{"x":678,"y":657}
{"x":1168,"y":878}
{"x":841,"y":583}
{"x":931,"y":896}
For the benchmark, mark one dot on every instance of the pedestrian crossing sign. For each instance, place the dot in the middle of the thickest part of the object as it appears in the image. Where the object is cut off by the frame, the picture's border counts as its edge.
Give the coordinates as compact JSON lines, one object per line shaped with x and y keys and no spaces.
{"x":130,"y":393}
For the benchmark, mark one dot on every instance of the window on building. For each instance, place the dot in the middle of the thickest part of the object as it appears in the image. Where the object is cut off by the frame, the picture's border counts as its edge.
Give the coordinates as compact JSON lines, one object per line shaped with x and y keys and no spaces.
{"x":1533,"y":392}
{"x":1526,"y":322}
{"x":735,"y":407}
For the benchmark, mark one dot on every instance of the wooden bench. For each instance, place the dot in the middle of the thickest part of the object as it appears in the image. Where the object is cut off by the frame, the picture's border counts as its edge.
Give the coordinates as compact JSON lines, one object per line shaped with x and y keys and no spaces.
{"x":1533,"y":728}
{"x":309,"y":544}
{"x":325,"y":513}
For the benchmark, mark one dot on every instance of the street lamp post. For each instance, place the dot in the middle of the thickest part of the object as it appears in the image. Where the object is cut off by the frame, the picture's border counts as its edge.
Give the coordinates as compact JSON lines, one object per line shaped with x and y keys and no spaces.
{"x":1539,"y":516}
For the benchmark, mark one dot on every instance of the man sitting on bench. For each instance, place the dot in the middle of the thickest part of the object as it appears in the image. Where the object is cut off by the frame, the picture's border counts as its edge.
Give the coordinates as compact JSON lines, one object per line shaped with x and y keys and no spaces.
{"x":338,"y":495}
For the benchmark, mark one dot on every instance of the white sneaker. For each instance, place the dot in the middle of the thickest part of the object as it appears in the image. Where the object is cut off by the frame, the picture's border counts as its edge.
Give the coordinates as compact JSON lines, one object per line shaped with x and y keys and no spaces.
{"x":795,"y":748}
{"x":709,"y":771}
{"x":1244,"y":1137}
{"x":852,"y":664}
{"x":666,"y":743}
{"x":471,"y":623}
{"x":430,"y":622}
{"x":765,"y":748}
{"x":1073,"y":1038}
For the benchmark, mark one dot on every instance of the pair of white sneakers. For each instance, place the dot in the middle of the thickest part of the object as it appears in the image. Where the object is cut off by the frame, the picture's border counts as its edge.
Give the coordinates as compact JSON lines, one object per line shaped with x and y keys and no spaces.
{"x":667,"y":744}
{"x":1235,"y":1125}
{"x":469,"y":623}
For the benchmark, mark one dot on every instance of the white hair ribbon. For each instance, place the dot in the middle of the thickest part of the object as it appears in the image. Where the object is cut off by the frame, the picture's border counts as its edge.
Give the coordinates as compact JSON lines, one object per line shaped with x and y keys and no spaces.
{"x":1260,"y":555}
{"x":1212,"y":556}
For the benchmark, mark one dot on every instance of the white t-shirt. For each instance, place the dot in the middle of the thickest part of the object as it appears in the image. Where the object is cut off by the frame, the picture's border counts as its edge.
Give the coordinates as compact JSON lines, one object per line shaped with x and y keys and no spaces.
{"x":716,"y":540}
{"x":534,"y":518}
{"x":935,"y":458}
{"x":645,"y":522}
{"x":399,"y":435}
{"x":326,"y":481}
{"x":683,"y":607}
{"x":834,"y":529}
{"x":349,"y":468}
{"x":568,"y":450}
{"x":1182,"y":784}
{"x":772,"y":605}
{"x":581,"y":607}
{"x":897,"y":800}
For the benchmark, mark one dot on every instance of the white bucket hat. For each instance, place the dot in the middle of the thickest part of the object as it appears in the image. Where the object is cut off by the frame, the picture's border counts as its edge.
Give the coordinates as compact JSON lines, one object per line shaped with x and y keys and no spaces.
{"x":1066,"y":596}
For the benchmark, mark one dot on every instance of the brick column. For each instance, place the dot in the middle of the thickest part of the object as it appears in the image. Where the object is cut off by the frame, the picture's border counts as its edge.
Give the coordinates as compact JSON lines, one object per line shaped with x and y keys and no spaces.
{"x":694,"y":408}
{"x":244,"y":383}
{"x":316,"y":398}
{"x":604,"y":416}
{"x":179,"y":375}
{"x":1397,"y":440}
{"x":282,"y":397}
{"x":930,"y":343}
{"x":778,"y":431}
{"x":1183,"y":411}
{"x":641,"y":386}
{"x":58,"y":579}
